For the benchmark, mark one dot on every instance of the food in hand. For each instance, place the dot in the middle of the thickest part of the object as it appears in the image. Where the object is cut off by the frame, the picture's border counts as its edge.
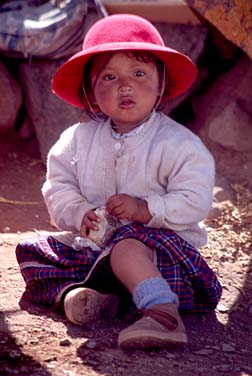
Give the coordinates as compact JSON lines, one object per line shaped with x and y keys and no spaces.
{"x":106,"y":226}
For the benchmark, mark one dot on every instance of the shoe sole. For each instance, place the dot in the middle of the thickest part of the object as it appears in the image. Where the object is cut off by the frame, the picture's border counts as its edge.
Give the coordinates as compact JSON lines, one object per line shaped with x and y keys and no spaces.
{"x":144,"y":340}
{"x":85,"y":306}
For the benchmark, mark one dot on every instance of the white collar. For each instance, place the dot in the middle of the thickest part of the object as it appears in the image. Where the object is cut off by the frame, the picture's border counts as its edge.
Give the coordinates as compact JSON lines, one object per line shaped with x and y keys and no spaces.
{"x":133,"y":132}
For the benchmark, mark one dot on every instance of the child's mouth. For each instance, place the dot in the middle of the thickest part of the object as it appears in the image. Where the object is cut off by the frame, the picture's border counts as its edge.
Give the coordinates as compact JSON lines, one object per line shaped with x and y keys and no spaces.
{"x":126,"y":103}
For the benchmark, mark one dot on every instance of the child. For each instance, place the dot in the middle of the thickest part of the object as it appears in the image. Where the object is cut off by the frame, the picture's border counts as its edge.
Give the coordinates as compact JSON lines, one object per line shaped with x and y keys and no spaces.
{"x":150,"y":173}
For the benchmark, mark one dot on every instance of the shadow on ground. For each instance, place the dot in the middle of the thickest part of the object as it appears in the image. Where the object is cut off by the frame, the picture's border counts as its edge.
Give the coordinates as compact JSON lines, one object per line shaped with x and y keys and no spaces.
{"x":13,"y":361}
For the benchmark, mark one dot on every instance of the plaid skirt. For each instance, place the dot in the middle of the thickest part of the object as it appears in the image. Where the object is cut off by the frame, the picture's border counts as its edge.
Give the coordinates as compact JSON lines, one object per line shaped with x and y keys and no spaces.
{"x":50,"y":268}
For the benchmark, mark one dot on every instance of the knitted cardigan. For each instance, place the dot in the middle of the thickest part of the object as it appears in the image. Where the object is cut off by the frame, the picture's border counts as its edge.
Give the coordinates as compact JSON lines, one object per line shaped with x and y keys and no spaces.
{"x":165,"y":164}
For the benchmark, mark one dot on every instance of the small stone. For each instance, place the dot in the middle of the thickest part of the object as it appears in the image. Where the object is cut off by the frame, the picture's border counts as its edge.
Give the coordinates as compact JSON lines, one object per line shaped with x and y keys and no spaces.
{"x":214,"y":212}
{"x":13,"y":354}
{"x":222,"y":308}
{"x":222,"y":367}
{"x":203,"y":352}
{"x":91,"y":344}
{"x":6,"y":229}
{"x":227,"y":348}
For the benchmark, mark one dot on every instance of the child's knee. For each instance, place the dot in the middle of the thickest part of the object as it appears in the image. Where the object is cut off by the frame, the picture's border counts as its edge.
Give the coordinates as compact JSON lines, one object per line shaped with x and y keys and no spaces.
{"x":127,"y":248}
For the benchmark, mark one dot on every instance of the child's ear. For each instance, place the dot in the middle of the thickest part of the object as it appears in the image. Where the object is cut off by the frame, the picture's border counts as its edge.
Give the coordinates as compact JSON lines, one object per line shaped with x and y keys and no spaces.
{"x":94,"y":103}
{"x":92,"y":98}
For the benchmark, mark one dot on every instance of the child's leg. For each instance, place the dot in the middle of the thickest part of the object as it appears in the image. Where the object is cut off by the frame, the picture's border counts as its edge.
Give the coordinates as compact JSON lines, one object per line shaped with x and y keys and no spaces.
{"x":161,"y":325}
{"x":132,"y":263}
{"x":50,"y":267}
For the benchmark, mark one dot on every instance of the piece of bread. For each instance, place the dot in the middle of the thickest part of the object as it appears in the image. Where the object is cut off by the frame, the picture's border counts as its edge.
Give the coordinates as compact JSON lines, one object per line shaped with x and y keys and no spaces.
{"x":106,"y":227}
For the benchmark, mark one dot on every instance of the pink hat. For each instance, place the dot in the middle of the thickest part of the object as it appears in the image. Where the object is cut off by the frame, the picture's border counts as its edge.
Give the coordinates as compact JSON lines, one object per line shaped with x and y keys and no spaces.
{"x":123,"y":32}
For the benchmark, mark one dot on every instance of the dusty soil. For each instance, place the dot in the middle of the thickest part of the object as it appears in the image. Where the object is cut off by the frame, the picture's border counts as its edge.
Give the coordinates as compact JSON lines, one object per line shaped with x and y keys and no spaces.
{"x":36,"y":341}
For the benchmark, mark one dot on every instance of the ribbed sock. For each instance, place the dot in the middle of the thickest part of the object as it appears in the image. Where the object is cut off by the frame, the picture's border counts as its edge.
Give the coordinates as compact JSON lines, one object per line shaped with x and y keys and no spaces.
{"x":153,"y":291}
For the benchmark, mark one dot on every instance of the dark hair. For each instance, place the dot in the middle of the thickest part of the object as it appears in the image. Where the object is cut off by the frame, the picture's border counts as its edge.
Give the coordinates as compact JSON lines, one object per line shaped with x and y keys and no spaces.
{"x":97,"y":63}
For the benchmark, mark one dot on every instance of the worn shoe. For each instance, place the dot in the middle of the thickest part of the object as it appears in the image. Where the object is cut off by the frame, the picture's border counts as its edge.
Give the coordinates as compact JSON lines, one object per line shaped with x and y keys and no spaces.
{"x":85,"y":306}
{"x":159,"y":326}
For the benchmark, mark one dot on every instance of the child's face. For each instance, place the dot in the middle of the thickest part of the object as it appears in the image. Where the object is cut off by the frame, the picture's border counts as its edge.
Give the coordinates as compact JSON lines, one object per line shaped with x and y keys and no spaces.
{"x":126,"y":90}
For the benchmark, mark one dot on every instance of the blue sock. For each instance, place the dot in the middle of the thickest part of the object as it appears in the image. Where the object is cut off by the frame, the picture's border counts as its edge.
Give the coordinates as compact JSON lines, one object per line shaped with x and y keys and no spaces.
{"x":153,"y":291}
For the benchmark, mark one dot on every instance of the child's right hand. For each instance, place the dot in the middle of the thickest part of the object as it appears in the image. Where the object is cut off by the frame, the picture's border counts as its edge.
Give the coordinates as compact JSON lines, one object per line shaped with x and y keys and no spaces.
{"x":89,"y":222}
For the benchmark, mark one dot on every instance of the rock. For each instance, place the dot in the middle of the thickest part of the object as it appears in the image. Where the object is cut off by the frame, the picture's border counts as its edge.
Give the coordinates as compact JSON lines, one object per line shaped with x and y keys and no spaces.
{"x":226,"y":347}
{"x":48,"y":114}
{"x":220,"y":195}
{"x":10,"y":99}
{"x":232,"y":18}
{"x":89,"y":343}
{"x":223,"y":191}
{"x":214,"y":212}
{"x":232,"y":128}
{"x":190,"y":40}
{"x":204,"y":352}
{"x":222,"y":368}
{"x":232,"y":86}
{"x":5,"y":229}
{"x":222,"y":308}
{"x":26,"y":131}
{"x":223,"y":113}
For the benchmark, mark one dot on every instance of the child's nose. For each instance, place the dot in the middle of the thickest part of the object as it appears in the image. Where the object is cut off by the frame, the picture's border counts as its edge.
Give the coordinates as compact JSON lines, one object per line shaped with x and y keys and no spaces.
{"x":125,"y":89}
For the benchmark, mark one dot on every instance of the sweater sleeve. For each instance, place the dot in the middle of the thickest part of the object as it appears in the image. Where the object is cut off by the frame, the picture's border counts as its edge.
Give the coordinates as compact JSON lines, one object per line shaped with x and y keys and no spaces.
{"x":187,"y":175}
{"x":65,"y":202}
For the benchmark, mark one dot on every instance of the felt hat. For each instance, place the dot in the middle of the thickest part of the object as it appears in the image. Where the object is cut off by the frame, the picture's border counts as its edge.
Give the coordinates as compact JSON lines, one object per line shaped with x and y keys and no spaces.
{"x":122,"y":32}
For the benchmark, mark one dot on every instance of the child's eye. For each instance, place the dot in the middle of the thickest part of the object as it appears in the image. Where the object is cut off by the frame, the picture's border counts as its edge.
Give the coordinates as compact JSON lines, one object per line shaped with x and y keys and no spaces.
{"x":109,"y":77}
{"x":139,"y":73}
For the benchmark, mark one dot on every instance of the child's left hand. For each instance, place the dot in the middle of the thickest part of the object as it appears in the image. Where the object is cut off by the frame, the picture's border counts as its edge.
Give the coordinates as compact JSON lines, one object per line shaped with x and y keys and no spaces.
{"x":123,"y":206}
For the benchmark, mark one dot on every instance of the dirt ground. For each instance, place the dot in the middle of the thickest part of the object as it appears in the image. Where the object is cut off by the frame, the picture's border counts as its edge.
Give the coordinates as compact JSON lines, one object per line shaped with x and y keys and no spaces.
{"x":37,"y":342}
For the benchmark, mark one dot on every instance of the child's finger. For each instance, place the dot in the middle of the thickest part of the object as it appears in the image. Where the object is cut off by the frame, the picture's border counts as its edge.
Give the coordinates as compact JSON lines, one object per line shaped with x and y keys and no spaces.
{"x":91,"y":224}
{"x":113,"y":203}
{"x":93,"y":217}
{"x":84,"y":231}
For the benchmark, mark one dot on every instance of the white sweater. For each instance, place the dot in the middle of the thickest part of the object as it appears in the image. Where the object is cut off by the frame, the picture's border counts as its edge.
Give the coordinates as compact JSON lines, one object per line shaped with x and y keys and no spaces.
{"x":165,"y":164}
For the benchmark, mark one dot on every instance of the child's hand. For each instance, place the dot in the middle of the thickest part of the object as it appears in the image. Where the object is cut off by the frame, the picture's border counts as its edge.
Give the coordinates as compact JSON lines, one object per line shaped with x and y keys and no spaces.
{"x":89,"y":223}
{"x":127,"y":207}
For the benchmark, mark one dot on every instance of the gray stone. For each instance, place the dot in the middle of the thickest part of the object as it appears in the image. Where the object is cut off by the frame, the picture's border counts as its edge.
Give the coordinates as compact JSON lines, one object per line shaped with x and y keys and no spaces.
{"x":214,"y":212}
{"x":48,"y":114}
{"x":26,"y":131}
{"x":232,"y":128}
{"x":223,"y":190}
{"x":228,"y":139}
{"x":10,"y":99}
{"x":190,"y":40}
{"x":232,"y":86}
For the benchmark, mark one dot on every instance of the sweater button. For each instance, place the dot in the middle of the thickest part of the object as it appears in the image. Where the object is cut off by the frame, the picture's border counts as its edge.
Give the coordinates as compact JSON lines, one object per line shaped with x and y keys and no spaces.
{"x":118,"y":146}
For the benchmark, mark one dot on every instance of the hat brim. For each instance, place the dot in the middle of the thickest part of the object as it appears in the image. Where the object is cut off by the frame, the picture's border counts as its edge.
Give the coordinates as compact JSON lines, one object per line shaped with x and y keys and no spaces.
{"x":68,"y":79}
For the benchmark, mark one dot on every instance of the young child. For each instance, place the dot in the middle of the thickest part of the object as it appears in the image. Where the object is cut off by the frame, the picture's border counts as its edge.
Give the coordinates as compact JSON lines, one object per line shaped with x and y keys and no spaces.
{"x":150,"y":173}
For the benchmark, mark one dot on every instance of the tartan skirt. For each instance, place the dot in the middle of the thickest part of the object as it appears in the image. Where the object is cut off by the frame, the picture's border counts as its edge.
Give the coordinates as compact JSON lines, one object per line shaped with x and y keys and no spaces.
{"x":50,"y":268}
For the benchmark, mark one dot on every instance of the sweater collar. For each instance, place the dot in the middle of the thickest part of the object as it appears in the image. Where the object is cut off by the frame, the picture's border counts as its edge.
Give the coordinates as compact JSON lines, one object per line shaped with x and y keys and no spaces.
{"x":133,"y":132}
{"x":132,"y":140}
